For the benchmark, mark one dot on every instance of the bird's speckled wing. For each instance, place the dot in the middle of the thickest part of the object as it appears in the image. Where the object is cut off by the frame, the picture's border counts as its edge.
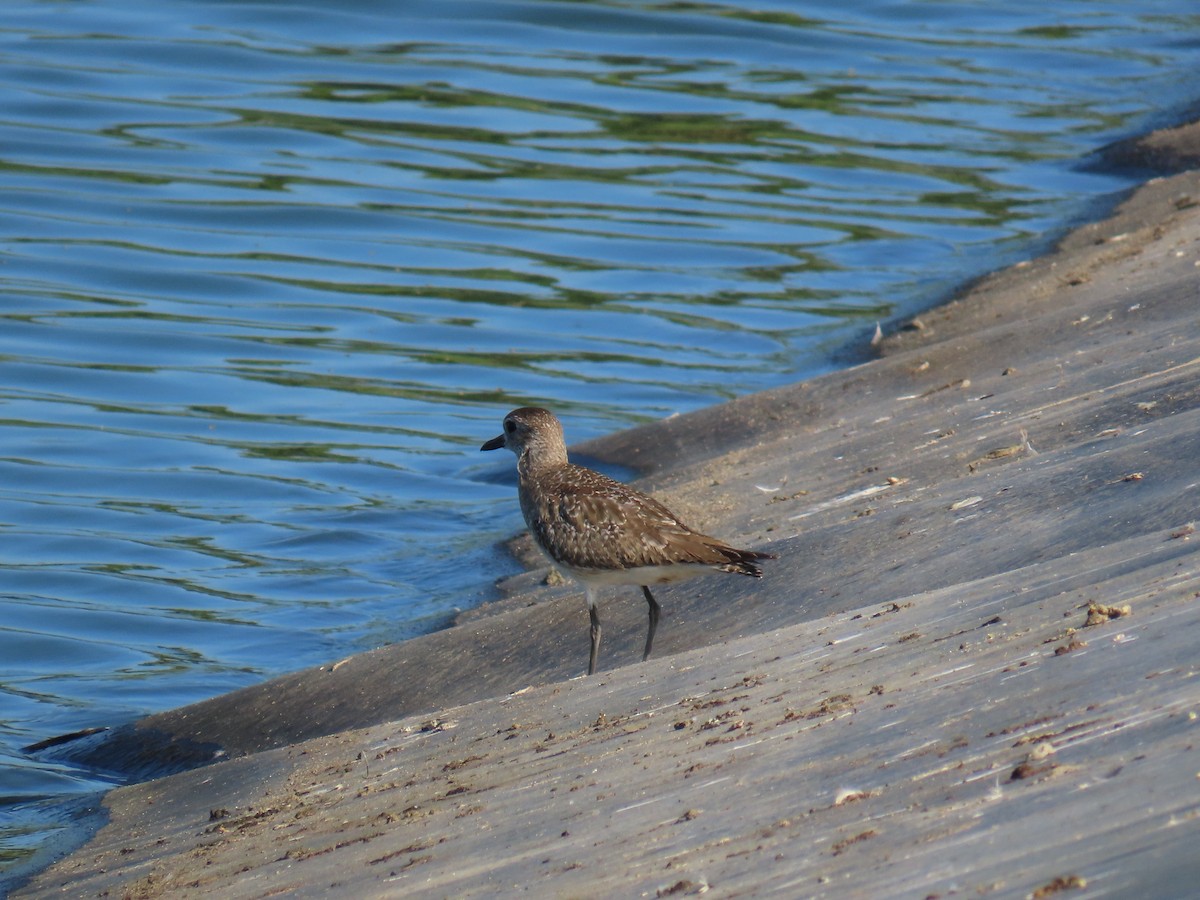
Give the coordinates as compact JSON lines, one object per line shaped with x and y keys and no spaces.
{"x":586,"y":520}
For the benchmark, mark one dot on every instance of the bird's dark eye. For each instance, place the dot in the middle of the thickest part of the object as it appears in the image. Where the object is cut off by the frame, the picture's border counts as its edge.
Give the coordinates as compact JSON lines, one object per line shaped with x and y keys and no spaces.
{"x":509,"y":426}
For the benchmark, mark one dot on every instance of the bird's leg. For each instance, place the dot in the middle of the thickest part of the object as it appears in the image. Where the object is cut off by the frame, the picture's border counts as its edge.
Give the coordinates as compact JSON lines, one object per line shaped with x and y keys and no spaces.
{"x":655,"y":609}
{"x":595,"y":617}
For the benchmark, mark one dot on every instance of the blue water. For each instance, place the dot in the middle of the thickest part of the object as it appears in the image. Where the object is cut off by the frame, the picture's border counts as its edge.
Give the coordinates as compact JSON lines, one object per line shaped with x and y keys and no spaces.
{"x":273,"y":271}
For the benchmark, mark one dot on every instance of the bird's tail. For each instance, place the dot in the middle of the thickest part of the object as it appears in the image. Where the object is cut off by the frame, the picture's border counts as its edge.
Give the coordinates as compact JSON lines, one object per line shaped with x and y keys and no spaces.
{"x":742,"y":561}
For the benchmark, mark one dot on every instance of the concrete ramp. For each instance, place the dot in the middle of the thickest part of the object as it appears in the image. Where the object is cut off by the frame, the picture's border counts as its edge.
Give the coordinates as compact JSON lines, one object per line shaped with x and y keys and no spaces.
{"x":972,"y":671}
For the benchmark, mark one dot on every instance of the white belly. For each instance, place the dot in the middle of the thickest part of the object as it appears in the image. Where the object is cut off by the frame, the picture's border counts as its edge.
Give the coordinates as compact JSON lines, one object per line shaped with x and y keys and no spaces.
{"x":641,"y":575}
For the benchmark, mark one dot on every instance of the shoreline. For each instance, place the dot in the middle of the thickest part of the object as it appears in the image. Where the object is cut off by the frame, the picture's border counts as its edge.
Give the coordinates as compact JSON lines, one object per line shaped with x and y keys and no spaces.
{"x":946,"y":517}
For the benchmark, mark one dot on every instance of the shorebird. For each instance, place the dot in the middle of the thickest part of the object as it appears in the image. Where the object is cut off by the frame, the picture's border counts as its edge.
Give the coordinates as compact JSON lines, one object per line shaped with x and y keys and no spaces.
{"x":601,"y":532}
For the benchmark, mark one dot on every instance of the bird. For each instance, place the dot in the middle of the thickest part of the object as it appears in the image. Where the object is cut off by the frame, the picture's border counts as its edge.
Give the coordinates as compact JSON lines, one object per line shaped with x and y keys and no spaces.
{"x":601,"y":532}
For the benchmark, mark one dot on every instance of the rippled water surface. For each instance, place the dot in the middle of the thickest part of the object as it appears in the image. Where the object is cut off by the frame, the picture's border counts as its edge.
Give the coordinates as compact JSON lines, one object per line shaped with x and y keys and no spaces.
{"x":272,"y":271}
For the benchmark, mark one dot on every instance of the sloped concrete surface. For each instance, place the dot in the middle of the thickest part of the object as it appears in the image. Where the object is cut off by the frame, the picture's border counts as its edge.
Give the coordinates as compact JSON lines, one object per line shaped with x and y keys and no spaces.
{"x":972,"y":671}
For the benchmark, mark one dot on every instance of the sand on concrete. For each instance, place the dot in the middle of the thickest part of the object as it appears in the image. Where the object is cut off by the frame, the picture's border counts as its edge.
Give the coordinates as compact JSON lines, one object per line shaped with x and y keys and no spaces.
{"x":971,"y":671}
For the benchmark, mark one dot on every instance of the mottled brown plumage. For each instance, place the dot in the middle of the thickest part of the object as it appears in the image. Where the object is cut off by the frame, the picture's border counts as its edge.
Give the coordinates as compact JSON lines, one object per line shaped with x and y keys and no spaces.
{"x":600,"y":531}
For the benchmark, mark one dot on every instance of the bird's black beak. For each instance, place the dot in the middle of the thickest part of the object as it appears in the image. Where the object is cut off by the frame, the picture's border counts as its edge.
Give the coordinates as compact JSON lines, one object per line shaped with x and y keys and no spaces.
{"x":494,"y":444}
